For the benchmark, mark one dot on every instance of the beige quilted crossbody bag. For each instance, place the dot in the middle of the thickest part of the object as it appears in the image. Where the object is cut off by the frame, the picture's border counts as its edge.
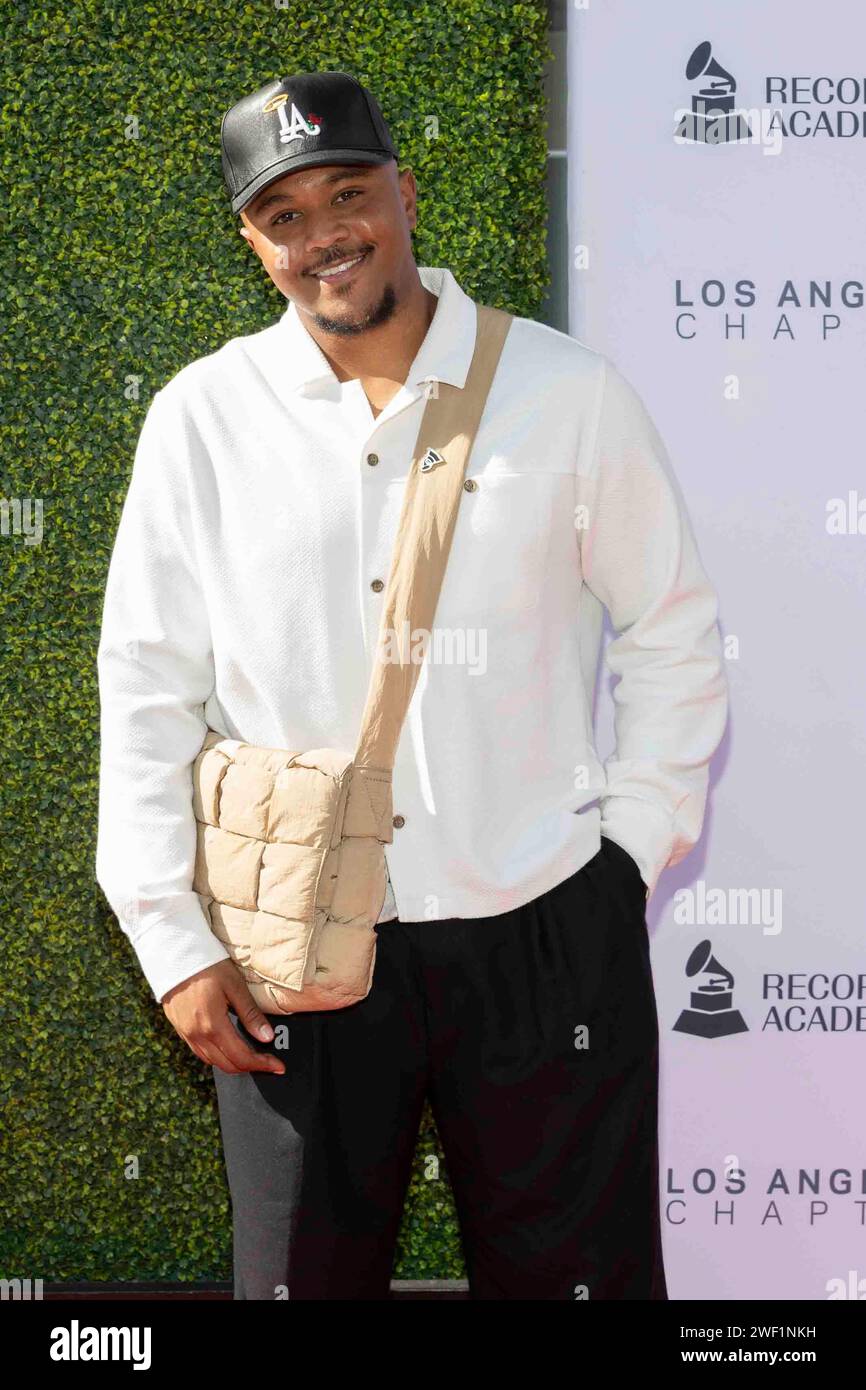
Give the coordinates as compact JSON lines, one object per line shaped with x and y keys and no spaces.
{"x":290,"y":867}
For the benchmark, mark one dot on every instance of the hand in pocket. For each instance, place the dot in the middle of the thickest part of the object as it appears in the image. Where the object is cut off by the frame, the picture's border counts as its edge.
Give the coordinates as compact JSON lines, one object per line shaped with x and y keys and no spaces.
{"x":628,"y":862}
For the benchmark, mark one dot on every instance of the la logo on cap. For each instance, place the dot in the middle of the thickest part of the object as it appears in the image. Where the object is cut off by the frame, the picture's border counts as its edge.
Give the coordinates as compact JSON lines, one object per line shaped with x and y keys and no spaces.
{"x":294,"y":127}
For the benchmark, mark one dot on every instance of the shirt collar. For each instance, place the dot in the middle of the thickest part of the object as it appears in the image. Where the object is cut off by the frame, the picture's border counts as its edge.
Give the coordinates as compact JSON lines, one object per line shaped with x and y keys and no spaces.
{"x":444,"y":355}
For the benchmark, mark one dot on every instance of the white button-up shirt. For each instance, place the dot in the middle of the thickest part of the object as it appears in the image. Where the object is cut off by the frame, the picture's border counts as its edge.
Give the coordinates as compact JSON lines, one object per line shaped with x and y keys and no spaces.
{"x":262,"y":507}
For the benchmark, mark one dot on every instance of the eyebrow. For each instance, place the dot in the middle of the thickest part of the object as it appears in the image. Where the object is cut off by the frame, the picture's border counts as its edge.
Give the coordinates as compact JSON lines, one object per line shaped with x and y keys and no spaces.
{"x":360,"y":171}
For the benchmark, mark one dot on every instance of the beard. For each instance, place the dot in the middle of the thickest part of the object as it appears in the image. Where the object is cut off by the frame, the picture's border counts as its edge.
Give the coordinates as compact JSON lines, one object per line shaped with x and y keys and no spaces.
{"x":380,"y":312}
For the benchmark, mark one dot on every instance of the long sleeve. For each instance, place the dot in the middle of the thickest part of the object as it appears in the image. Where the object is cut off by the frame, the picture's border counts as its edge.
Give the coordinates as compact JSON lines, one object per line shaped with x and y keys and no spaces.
{"x":671,"y":699}
{"x":155,"y":669}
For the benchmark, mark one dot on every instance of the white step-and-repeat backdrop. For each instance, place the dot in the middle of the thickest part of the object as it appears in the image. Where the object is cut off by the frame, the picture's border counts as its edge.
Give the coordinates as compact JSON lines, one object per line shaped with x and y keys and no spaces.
{"x":717,"y":222}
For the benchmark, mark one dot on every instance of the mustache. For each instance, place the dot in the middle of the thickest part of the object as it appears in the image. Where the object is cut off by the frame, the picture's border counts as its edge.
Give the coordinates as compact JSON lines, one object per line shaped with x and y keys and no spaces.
{"x":336,"y":260}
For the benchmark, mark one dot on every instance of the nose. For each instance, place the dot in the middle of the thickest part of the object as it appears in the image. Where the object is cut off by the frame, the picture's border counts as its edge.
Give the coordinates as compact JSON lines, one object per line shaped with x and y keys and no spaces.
{"x":326,"y":230}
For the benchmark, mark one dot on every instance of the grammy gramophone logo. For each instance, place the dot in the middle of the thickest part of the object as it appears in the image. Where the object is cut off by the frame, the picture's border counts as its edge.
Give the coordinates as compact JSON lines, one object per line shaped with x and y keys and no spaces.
{"x":713,"y":119}
{"x":711,"y":1013}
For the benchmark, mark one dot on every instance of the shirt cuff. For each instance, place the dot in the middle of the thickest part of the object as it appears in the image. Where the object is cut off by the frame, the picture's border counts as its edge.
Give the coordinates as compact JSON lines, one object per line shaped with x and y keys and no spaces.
{"x":644,"y":830}
{"x":171,"y":951}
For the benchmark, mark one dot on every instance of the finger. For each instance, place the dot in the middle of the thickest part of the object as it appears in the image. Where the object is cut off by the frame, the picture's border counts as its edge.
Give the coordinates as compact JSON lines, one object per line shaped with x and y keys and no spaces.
{"x":240,"y":1053}
{"x":210,"y":1056}
{"x":248,"y":1011}
{"x":219,"y":1059}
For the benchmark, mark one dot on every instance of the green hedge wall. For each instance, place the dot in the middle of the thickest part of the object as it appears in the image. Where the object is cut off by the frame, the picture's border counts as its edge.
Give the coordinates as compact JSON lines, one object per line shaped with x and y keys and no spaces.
{"x":122,"y":263}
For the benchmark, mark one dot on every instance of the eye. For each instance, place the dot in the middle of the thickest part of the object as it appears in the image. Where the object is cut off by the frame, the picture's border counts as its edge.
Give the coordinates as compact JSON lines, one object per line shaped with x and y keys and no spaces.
{"x":280,"y":218}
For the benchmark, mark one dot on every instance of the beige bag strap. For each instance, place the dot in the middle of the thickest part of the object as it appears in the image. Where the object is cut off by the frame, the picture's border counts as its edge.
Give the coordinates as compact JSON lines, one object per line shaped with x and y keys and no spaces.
{"x":423,"y":539}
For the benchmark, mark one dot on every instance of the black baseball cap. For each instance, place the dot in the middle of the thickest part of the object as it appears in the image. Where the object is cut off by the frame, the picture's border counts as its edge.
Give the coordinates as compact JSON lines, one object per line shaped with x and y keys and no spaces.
{"x":293,"y":122}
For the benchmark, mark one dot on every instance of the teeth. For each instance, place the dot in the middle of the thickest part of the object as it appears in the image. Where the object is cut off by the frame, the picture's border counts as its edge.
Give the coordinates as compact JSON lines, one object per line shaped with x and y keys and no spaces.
{"x":335,"y":269}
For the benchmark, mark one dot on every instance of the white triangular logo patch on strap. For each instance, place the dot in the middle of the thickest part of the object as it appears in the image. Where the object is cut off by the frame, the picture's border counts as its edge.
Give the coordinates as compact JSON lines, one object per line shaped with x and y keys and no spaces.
{"x":430,"y":459}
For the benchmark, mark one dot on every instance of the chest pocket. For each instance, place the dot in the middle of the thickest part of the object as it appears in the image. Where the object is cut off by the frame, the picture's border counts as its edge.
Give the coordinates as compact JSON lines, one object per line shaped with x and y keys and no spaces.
{"x":502,"y":541}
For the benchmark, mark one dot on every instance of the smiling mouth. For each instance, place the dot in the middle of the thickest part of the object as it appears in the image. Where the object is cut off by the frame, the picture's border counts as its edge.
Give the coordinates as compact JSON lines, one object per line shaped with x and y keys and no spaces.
{"x":336,"y":274}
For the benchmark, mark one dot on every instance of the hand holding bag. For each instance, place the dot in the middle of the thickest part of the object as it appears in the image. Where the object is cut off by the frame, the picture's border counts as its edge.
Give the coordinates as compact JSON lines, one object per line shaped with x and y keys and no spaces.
{"x":290,"y":867}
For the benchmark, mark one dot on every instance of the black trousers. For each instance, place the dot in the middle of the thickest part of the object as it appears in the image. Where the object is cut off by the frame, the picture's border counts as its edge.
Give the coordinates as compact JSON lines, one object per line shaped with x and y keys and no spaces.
{"x":535,"y":1035}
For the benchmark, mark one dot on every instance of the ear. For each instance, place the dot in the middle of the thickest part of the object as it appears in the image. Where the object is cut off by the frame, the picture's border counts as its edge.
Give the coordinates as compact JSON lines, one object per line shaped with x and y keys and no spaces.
{"x":409,"y":195}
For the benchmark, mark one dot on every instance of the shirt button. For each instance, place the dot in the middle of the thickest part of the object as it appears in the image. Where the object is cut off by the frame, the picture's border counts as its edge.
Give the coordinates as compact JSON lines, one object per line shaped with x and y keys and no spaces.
{"x":470,"y":485}
{"x":377,"y":585}
{"x":372,"y":459}
{"x":398,"y":821}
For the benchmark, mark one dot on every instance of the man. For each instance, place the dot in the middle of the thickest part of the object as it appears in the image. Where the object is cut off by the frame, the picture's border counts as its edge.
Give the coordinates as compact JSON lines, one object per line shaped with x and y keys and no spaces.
{"x":512,"y":982}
